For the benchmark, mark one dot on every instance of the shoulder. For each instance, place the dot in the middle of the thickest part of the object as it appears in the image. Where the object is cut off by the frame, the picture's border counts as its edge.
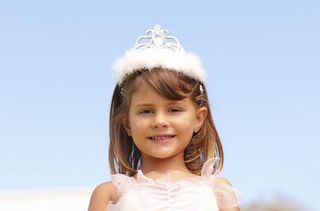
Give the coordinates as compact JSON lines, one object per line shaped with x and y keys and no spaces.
{"x":101,"y":196}
{"x":223,"y":180}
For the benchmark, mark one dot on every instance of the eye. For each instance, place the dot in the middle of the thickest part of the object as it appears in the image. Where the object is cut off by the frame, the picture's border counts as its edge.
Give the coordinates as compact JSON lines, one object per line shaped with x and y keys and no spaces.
{"x":145,"y":111}
{"x":173,"y":110}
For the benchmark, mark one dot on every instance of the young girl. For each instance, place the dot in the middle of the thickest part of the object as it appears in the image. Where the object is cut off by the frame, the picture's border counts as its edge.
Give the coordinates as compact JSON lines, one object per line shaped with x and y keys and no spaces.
{"x":164,"y":152}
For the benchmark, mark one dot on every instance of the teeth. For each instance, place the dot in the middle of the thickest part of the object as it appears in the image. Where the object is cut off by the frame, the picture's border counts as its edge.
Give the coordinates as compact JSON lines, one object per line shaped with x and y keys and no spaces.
{"x":160,"y":137}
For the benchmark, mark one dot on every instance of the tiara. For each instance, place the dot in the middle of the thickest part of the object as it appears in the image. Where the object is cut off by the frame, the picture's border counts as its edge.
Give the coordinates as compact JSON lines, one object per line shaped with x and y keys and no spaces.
{"x":158,"y":49}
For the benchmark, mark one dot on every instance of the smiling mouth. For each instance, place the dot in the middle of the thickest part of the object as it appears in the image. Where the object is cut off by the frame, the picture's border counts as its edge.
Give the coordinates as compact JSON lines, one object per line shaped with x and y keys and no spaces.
{"x":161,"y":138}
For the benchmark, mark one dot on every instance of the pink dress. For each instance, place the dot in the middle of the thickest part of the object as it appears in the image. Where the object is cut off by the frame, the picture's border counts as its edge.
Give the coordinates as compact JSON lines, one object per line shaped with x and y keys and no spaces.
{"x":198,"y":193}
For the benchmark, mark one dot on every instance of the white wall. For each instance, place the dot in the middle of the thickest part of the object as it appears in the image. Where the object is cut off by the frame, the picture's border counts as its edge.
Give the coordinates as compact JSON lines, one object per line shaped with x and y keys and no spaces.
{"x":75,"y":199}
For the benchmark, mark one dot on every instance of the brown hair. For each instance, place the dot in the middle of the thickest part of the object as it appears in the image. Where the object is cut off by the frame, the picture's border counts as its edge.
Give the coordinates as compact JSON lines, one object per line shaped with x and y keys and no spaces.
{"x":125,"y":157}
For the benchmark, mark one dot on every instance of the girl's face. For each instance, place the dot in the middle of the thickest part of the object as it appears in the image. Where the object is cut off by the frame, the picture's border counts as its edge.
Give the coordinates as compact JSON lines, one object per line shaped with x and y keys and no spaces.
{"x":161,"y":128}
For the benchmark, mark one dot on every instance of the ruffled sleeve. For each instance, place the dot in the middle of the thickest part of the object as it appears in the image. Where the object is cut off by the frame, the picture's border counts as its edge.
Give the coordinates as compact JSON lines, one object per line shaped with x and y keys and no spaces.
{"x":226,"y":195}
{"x":122,"y":182}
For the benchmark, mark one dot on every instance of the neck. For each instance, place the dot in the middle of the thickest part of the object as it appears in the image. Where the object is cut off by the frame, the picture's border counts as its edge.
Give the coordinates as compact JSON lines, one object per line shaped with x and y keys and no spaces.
{"x":150,"y":164}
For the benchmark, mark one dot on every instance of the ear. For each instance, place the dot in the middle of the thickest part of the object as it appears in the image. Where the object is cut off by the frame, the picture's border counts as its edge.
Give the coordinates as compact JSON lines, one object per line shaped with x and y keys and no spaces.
{"x":126,"y":125}
{"x":201,"y":116}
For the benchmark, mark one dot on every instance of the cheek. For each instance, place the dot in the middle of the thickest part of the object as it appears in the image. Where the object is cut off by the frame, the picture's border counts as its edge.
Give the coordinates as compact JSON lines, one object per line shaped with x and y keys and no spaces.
{"x":186,"y":121}
{"x":185,"y":130}
{"x":138,"y":125}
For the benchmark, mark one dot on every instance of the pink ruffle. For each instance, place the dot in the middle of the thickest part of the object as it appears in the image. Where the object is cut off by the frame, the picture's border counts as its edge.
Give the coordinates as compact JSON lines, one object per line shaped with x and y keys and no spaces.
{"x":226,"y":195}
{"x":123,"y":182}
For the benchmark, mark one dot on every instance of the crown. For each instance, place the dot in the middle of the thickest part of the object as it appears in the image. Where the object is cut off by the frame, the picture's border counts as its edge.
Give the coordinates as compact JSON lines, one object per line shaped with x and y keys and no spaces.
{"x":158,"y":38}
{"x":158,"y":49}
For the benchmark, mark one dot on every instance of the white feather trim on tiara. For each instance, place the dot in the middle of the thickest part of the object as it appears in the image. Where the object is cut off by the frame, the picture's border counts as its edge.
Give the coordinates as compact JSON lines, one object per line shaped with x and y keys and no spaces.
{"x":158,"y":49}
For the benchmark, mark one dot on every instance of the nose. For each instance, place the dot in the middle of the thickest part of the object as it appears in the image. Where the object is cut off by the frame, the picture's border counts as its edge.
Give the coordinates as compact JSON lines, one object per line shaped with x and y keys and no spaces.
{"x":160,"y":120}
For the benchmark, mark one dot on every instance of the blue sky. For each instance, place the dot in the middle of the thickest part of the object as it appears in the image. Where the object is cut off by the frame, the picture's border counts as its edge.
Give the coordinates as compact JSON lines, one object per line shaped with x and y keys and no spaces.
{"x":262,"y":59}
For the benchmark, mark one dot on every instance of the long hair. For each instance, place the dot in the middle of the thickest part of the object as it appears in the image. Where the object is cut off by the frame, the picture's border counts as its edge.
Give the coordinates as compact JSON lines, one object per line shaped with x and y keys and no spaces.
{"x":125,"y":157}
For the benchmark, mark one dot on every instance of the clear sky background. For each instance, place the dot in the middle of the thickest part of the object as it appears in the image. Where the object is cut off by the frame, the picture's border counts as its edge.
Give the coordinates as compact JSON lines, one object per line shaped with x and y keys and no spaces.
{"x":262,"y":59}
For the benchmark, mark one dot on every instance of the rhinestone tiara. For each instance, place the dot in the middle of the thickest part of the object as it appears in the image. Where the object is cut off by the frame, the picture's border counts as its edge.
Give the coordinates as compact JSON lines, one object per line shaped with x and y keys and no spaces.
{"x":158,"y":49}
{"x":158,"y":38}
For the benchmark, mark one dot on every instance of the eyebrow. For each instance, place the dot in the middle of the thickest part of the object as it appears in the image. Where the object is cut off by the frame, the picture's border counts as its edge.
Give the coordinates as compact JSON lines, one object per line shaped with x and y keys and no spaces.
{"x":143,"y":105}
{"x":152,"y":104}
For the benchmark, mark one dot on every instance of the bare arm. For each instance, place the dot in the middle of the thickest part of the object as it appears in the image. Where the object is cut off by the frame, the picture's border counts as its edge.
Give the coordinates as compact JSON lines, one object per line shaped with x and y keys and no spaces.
{"x":101,"y":196}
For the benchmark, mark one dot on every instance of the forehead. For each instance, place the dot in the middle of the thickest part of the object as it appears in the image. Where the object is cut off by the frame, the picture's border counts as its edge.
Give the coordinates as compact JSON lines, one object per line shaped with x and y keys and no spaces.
{"x":145,"y":94}
{"x":158,"y":84}
{"x":144,"y":91}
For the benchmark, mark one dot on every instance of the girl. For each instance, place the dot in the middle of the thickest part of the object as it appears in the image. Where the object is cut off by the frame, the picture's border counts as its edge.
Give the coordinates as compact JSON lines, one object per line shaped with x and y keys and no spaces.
{"x":164,"y":152}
